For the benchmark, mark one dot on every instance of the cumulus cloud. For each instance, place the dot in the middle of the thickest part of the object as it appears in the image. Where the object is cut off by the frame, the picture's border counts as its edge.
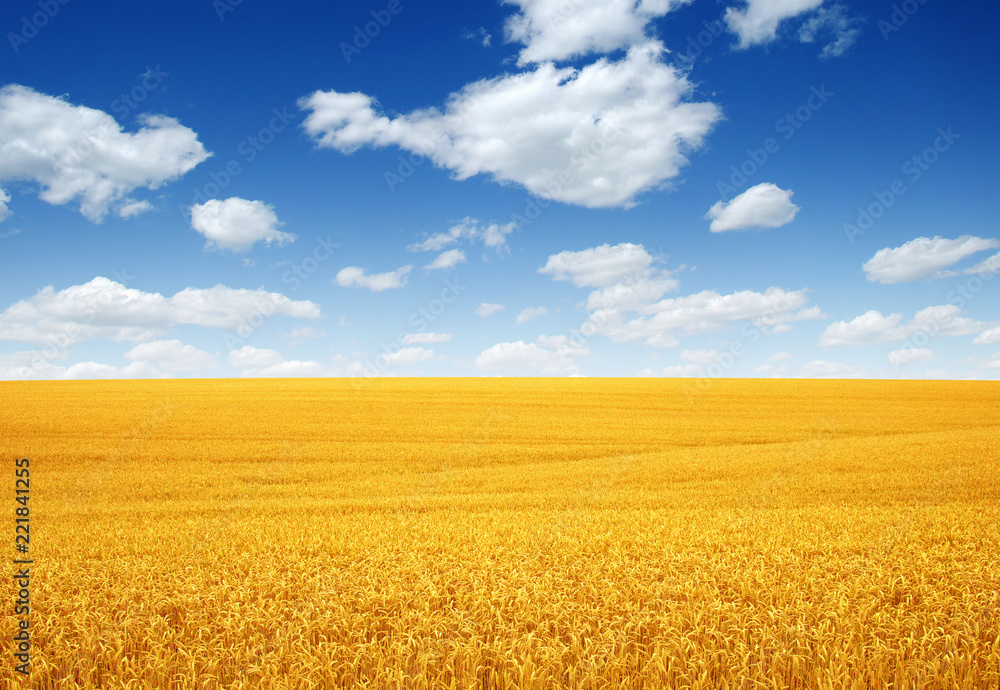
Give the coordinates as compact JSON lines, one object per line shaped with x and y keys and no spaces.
{"x":923,"y":257}
{"x":872,"y":328}
{"x":264,"y":363}
{"x":448,"y":259}
{"x":987,"y":267}
{"x":250,"y":357}
{"x":409,"y":355}
{"x":659,"y":323}
{"x":988,"y":337}
{"x":237,"y":224}
{"x":172,"y":355}
{"x":763,"y":206}
{"x":33,"y":366}
{"x":424,"y":338}
{"x":821,"y":369}
{"x":531,"y":313}
{"x":629,"y":304}
{"x":486,"y":309}
{"x":558,"y":30}
{"x":492,"y":235}
{"x":548,"y":355}
{"x":909,"y":354}
{"x":104,"y":308}
{"x":352,"y":276}
{"x":597,"y":136}
{"x":778,"y":357}
{"x":81,"y":155}
{"x":131,"y":207}
{"x":599,"y":267}
{"x":758,"y":21}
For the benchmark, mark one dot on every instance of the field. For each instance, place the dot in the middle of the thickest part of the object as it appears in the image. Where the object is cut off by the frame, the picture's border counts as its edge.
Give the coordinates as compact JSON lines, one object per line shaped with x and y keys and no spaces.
{"x":508,"y":533}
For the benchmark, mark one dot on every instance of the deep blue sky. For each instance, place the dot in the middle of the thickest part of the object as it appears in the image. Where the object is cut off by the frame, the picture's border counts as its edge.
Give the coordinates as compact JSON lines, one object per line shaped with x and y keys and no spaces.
{"x":221,"y":81}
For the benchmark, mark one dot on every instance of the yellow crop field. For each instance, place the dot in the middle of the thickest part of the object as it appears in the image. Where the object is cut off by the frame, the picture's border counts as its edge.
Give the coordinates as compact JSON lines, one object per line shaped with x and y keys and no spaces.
{"x":507,"y":533}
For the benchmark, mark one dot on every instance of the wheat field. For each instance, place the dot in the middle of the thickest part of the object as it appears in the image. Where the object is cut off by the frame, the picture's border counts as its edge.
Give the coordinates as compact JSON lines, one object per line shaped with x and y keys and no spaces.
{"x":509,"y":533}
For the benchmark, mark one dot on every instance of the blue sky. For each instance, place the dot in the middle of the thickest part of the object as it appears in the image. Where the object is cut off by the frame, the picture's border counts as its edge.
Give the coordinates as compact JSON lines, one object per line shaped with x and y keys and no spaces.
{"x":795,"y":188}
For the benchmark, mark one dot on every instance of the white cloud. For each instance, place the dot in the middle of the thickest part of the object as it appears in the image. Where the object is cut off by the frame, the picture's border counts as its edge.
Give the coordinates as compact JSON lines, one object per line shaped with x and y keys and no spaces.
{"x":629,"y":284}
{"x":96,"y":370}
{"x":297,"y":336}
{"x":597,"y":136}
{"x":4,"y":200}
{"x":599,"y":267}
{"x":700,"y":356}
{"x":486,"y":309}
{"x":79,"y":154}
{"x":763,"y":206}
{"x":531,"y":313}
{"x":987,"y":267}
{"x":237,"y":224}
{"x":289,"y":368}
{"x":104,"y":308}
{"x":557,"y":30}
{"x":988,"y":337}
{"x":27,"y":366}
{"x":409,"y":355}
{"x":659,"y":323}
{"x":352,"y":276}
{"x":264,"y":363}
{"x":492,"y":235}
{"x":821,"y":369}
{"x":833,"y":22}
{"x":872,"y":328}
{"x":448,"y":259}
{"x":172,"y":355}
{"x":250,"y":357}
{"x":131,"y":207}
{"x":548,"y":355}
{"x":910,"y":354}
{"x":778,"y":357}
{"x":923,"y":257}
{"x":425,"y":338}
{"x":758,"y":22}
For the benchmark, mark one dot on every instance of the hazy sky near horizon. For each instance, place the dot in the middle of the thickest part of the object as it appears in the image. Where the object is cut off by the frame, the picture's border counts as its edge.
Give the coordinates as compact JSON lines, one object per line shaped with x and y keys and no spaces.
{"x":216,"y":188}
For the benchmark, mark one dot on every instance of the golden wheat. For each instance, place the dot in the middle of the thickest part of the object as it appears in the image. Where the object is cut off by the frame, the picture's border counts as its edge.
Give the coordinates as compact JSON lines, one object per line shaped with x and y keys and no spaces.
{"x":510,"y":533}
